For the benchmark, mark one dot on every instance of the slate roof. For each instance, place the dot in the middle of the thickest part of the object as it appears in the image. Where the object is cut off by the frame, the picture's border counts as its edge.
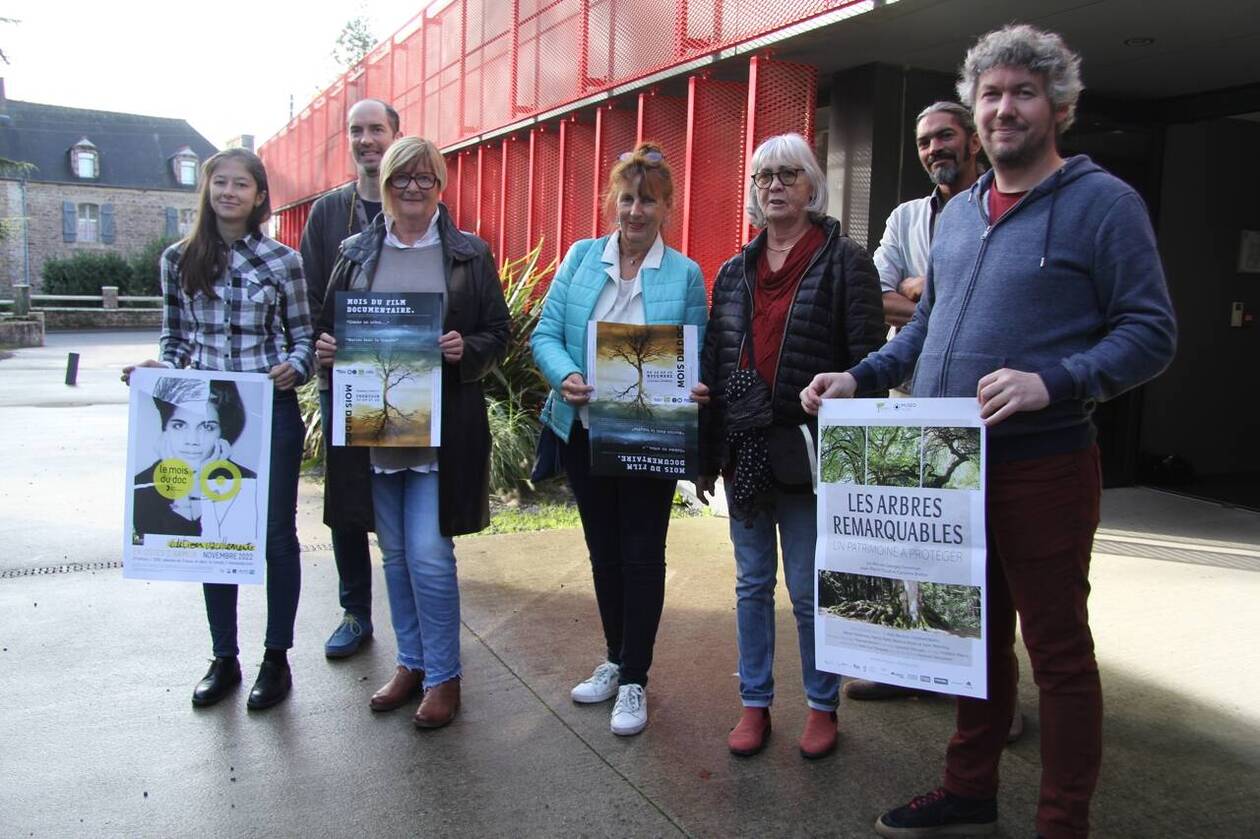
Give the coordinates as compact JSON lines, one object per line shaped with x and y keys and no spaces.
{"x":135,"y":151}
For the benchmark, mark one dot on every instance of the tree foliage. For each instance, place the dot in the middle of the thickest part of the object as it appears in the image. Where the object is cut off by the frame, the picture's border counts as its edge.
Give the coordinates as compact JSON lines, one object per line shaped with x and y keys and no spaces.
{"x":901,"y":604}
{"x":892,"y":456}
{"x":354,"y":42}
{"x":947,"y":452}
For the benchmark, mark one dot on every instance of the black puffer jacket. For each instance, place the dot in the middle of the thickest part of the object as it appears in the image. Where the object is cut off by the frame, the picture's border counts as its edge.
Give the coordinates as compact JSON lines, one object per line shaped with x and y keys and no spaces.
{"x":835,"y":320}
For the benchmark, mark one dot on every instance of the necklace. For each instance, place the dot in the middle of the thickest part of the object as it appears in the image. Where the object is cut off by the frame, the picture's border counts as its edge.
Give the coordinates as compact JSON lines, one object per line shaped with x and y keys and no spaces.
{"x":789,"y":247}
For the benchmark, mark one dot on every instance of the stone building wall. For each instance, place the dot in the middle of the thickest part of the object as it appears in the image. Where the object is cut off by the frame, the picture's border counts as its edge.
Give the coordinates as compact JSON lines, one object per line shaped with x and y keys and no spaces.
{"x":139,"y":218}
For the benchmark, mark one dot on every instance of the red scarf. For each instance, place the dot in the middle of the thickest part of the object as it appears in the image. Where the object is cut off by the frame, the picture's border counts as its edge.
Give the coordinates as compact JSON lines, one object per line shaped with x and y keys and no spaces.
{"x":772,"y":299}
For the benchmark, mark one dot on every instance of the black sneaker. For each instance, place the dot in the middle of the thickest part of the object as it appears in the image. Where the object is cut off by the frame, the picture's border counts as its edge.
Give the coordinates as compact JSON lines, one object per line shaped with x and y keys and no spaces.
{"x":940,"y":813}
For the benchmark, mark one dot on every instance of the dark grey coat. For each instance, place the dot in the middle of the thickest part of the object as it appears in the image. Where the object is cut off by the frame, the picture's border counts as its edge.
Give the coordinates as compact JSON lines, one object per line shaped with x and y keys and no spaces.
{"x":476,"y":310}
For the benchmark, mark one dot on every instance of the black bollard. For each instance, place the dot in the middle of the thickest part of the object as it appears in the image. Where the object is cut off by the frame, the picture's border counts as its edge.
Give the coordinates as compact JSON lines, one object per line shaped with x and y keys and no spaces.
{"x":72,"y":368}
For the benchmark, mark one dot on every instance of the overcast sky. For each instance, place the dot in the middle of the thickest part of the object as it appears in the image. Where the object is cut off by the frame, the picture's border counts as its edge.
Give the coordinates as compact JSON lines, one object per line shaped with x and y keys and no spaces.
{"x":228,"y":67}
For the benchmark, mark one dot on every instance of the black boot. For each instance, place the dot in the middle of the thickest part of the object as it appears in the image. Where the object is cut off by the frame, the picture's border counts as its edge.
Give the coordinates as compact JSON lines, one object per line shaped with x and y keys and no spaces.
{"x":223,"y":675}
{"x":274,"y":681}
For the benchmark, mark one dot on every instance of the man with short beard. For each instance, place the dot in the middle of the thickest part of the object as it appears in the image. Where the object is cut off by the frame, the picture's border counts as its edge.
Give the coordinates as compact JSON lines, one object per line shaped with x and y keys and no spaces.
{"x":1045,"y":295}
{"x":371,"y":127}
{"x":948,"y":147}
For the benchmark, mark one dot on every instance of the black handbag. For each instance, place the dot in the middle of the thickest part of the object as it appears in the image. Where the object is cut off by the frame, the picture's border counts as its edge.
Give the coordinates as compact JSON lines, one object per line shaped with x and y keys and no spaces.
{"x":547,"y":462}
{"x":791,"y":448}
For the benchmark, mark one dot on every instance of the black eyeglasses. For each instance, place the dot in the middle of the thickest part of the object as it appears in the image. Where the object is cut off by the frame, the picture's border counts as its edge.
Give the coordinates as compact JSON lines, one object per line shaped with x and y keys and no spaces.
{"x":654,"y":158}
{"x":765,"y":177}
{"x":401,"y":180}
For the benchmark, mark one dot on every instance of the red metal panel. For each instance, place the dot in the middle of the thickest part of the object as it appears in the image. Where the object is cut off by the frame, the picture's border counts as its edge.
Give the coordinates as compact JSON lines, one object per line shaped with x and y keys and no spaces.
{"x":577,"y":183}
{"x":781,"y":99}
{"x":615,"y":132}
{"x":544,"y":192}
{"x":477,"y":65}
{"x":514,"y":212}
{"x":468,"y":195}
{"x":663,"y":120}
{"x":451,"y":190}
{"x":714,"y":189}
{"x":489,"y":186}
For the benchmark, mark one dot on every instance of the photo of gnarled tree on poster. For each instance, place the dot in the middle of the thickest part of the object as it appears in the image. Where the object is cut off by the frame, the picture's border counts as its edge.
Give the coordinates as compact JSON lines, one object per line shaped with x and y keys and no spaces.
{"x":951,"y":458}
{"x":842,"y":454}
{"x":625,"y":353}
{"x":900,"y":604}
{"x":892,"y":455}
{"x":401,"y":418}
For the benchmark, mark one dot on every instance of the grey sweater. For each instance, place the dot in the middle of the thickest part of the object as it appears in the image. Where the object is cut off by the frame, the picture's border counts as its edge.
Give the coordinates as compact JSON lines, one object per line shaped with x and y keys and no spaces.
{"x":1068,"y":284}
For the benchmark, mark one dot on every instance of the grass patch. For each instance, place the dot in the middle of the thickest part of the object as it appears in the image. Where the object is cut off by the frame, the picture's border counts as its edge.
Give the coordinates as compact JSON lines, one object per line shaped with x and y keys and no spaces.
{"x":546,"y":516}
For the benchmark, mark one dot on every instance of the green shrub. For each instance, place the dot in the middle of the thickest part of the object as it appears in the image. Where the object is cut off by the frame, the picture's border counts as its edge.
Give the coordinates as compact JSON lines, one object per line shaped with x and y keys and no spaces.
{"x":85,"y":273}
{"x":146,"y":271}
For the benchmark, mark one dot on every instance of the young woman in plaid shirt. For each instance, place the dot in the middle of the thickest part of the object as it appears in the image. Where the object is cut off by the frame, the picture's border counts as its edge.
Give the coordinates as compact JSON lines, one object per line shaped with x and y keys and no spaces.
{"x":235,"y":300}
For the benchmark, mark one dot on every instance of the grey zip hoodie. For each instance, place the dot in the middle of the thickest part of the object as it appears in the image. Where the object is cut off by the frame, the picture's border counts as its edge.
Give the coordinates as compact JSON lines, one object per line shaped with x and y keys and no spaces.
{"x":1068,"y":284}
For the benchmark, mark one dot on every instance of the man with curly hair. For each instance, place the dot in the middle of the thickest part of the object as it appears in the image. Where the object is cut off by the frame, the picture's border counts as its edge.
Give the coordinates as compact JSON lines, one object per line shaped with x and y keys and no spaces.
{"x":1044,"y":295}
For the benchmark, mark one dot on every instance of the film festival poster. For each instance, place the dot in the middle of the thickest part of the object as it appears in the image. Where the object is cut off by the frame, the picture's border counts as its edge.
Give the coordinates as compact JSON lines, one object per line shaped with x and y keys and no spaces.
{"x":198,"y":460}
{"x":642,"y":418}
{"x":900,"y":562}
{"x":387,"y":376}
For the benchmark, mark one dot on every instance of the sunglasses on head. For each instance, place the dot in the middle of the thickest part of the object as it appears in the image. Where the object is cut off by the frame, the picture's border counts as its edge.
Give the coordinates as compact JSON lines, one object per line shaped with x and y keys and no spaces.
{"x":653,"y":158}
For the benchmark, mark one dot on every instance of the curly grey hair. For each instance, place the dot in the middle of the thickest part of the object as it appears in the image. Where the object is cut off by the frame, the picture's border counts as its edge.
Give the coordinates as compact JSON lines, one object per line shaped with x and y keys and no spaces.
{"x":790,"y":151}
{"x":1036,"y":50}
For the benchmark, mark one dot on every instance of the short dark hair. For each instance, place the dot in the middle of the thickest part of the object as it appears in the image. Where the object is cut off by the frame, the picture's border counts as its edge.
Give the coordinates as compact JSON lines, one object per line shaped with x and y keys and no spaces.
{"x":390,"y":113}
{"x":170,"y":392}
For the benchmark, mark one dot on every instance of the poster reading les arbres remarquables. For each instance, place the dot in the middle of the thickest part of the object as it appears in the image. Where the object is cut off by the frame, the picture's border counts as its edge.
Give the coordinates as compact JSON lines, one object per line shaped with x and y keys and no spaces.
{"x":900,"y":586}
{"x":642,"y":419}
{"x":387,"y":376}
{"x":198,"y":458}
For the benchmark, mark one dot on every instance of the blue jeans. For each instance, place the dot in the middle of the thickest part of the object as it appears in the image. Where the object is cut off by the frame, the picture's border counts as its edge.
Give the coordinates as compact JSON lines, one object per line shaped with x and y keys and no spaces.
{"x":350,"y":546}
{"x":756,"y":563}
{"x":284,"y":570}
{"x":419,"y":574}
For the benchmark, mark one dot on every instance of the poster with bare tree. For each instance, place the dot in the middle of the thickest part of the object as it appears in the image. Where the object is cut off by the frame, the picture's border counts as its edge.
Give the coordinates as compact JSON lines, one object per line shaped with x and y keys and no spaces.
{"x":387,"y":376}
{"x":900,"y":582}
{"x":642,"y":419}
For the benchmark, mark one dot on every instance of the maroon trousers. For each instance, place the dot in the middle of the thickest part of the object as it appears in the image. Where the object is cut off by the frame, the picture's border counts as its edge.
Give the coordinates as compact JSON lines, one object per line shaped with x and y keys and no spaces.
{"x":1042,"y":514}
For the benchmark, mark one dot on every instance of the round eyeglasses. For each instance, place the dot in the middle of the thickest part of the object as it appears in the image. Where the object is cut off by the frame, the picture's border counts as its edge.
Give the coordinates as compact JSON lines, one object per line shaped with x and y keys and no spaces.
{"x":765,"y":177}
{"x":400,"y":180}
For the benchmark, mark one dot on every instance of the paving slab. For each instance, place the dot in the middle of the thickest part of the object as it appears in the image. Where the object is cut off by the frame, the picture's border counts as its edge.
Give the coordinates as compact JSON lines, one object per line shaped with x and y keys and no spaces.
{"x":98,"y":738}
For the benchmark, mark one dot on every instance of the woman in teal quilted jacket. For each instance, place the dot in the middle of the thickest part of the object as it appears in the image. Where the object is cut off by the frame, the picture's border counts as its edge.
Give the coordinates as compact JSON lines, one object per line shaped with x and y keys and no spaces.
{"x":629,"y":276}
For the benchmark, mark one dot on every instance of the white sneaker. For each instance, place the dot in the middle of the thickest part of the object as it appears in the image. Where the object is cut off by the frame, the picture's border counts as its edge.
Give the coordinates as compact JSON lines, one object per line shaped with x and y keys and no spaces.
{"x":629,"y":713}
{"x":600,"y":687}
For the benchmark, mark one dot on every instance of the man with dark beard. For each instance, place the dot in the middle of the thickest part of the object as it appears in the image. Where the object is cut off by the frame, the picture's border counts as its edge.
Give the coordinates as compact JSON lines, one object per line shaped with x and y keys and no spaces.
{"x":945,"y":134}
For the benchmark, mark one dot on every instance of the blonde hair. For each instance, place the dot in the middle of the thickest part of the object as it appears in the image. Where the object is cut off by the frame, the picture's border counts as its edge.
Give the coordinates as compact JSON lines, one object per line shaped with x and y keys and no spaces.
{"x":401,"y":156}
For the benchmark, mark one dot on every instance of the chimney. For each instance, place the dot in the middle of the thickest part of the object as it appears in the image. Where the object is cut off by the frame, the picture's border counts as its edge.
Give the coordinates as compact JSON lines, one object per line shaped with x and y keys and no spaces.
{"x":242,"y":141}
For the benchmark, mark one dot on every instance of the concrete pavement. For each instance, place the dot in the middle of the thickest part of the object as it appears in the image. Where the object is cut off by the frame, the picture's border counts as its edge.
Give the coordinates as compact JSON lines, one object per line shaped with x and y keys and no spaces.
{"x":98,"y":738}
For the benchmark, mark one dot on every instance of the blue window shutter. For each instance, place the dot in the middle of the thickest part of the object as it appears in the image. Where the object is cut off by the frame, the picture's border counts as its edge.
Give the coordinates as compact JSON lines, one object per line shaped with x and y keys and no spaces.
{"x":172,"y":222}
{"x":107,"y":224}
{"x":69,"y":221}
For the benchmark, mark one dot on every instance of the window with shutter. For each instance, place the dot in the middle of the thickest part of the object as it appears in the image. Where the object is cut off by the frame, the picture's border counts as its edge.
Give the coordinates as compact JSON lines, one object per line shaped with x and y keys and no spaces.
{"x":89,"y":223}
{"x":172,"y":222}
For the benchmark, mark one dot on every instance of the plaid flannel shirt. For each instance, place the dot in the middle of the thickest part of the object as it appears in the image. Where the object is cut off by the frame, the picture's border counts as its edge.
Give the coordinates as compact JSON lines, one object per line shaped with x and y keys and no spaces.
{"x":261,"y":317}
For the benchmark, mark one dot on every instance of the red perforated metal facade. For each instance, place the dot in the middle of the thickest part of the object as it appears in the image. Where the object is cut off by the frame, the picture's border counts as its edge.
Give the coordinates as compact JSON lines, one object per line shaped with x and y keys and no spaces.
{"x":481,"y":65}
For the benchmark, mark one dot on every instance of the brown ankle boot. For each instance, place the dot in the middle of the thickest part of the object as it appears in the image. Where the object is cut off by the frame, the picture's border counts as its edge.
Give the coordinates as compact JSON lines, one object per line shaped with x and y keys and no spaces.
{"x":819,"y":738}
{"x":439,"y":705}
{"x":403,"y":685}
{"x":751,"y":732}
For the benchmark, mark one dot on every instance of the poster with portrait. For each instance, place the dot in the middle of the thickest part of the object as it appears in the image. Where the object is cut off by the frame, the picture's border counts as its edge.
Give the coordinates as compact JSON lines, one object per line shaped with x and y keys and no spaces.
{"x":642,"y":418}
{"x":899,"y":583}
{"x":387,"y":376}
{"x":198,"y":459}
